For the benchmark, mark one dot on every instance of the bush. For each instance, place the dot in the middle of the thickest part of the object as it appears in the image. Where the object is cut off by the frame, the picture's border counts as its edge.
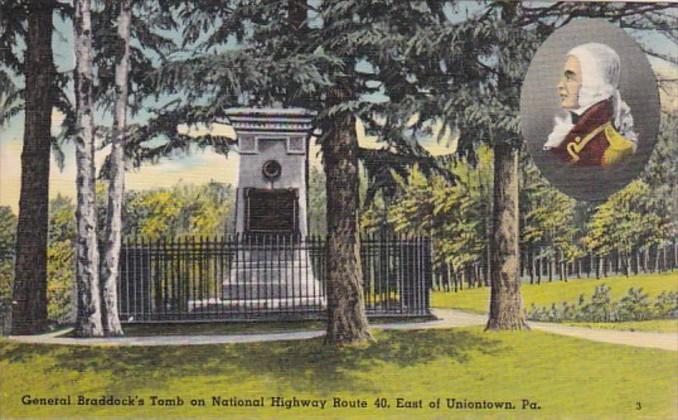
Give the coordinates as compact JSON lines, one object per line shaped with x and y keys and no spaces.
{"x":634,"y":306}
{"x":666,"y":305}
{"x":6,"y":279}
{"x":600,"y":307}
{"x":61,"y":300}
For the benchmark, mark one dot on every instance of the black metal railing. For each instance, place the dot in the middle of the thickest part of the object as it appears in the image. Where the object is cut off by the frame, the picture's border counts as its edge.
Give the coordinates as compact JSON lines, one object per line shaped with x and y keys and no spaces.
{"x":264,"y":277}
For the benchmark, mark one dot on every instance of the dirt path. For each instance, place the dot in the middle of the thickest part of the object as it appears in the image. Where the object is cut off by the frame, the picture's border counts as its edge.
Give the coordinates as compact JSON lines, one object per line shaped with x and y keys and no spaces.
{"x":664,"y":341}
{"x":448,"y":318}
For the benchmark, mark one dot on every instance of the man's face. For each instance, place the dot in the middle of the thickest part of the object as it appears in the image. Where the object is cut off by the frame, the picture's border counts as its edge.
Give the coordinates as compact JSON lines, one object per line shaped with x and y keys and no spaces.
{"x":570,"y":83}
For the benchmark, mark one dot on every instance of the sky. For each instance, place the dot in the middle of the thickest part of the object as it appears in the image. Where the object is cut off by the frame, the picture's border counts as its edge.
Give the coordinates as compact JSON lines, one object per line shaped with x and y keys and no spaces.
{"x":198,"y":166}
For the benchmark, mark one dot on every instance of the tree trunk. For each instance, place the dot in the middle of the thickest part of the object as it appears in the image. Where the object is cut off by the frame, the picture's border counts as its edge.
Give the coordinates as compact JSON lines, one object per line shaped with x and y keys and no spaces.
{"x":506,"y":302}
{"x":598,"y":267}
{"x":551,"y":259}
{"x":88,"y":322}
{"x":116,"y":187}
{"x":347,"y":322}
{"x":29,"y":312}
{"x":487,"y":251}
{"x":646,"y":260}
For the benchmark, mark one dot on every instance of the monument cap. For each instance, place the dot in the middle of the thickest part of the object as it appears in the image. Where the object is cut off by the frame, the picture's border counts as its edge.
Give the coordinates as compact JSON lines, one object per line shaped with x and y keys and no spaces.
{"x":280,"y":120}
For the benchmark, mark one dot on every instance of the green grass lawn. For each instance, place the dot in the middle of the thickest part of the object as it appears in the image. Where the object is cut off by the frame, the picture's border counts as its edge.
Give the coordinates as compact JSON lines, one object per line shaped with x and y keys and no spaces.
{"x":566,"y":377}
{"x":655,"y":325}
{"x":477,"y":300}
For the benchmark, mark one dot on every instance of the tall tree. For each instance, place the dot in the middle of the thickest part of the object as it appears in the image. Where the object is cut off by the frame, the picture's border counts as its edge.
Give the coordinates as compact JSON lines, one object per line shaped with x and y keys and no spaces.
{"x":506,"y":303}
{"x":454,"y":215}
{"x":302,"y":68}
{"x":88,"y":321}
{"x":347,"y":321}
{"x":113,"y":233}
{"x":661,"y":174}
{"x":29,"y":313}
{"x":625,"y":222}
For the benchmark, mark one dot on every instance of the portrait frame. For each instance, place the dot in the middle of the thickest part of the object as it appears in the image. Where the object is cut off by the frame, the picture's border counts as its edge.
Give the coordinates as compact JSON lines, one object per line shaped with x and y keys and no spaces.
{"x":540,"y":104}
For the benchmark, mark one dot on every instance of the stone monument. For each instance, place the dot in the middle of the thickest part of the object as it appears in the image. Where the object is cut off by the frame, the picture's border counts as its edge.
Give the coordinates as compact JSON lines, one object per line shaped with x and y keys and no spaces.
{"x":273,"y":267}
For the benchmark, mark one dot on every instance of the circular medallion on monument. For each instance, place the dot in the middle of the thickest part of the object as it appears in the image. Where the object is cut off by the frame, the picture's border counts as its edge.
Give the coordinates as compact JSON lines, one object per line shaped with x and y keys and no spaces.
{"x":589,"y":109}
{"x":271,"y":169}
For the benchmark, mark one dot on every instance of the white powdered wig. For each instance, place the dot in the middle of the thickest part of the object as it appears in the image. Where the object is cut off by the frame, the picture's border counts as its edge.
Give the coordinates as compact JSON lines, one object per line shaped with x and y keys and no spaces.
{"x":600,"y":68}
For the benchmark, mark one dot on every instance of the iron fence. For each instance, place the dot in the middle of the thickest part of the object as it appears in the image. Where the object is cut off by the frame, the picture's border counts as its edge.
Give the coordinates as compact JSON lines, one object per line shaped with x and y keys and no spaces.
{"x":264,"y":277}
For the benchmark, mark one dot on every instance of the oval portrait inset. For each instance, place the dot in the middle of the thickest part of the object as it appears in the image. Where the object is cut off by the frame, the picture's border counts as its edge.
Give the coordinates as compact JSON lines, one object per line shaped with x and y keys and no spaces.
{"x":589,"y":109}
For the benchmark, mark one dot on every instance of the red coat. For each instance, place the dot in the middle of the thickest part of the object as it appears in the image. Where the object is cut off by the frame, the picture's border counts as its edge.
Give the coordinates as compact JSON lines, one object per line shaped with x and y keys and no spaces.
{"x":593,"y":141}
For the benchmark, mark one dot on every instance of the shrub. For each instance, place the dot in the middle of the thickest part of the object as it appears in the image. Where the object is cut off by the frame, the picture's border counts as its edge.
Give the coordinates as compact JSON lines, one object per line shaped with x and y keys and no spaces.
{"x":634,"y":306}
{"x":61,"y":301}
{"x":666,"y":305}
{"x":600,"y":307}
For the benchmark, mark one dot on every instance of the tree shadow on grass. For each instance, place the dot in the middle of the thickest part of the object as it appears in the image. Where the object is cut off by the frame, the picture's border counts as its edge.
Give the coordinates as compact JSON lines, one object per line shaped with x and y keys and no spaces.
{"x":326,"y":369}
{"x":301,"y":366}
{"x":15,"y":352}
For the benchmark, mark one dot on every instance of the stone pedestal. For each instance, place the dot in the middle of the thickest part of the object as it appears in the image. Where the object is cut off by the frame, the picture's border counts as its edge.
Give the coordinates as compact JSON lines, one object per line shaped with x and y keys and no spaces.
{"x":271,"y":209}
{"x":273,"y":281}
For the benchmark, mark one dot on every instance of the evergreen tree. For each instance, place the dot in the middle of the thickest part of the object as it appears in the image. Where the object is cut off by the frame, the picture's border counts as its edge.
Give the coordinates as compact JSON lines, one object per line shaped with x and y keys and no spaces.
{"x":548,"y":224}
{"x":37,"y":67}
{"x":454,"y":215}
{"x":625,"y":222}
{"x":661,"y":176}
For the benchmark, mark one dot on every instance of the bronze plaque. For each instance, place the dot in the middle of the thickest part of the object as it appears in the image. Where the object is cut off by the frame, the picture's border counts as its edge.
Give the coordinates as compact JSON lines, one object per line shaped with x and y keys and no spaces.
{"x":271,"y":211}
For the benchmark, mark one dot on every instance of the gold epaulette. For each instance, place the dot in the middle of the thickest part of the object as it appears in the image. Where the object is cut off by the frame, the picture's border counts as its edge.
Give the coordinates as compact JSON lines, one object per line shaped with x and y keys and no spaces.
{"x":620,"y":147}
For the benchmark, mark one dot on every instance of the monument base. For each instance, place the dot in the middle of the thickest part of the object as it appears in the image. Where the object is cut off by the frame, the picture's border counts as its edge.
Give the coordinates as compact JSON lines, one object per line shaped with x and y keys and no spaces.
{"x":289,"y":280}
{"x":260,"y":304}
